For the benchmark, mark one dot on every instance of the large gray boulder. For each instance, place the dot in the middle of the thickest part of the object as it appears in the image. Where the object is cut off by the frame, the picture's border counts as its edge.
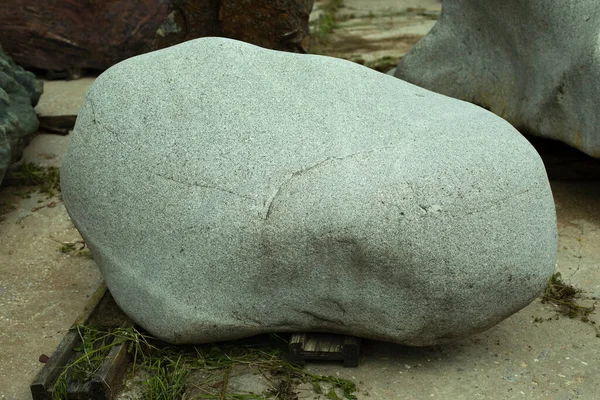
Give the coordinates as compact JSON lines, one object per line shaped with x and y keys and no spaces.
{"x":19,"y":93}
{"x":226,"y":190}
{"x":534,"y":63}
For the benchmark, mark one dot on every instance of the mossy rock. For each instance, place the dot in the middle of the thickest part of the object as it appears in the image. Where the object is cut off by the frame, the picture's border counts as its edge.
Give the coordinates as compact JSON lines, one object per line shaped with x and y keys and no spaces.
{"x":19,"y":93}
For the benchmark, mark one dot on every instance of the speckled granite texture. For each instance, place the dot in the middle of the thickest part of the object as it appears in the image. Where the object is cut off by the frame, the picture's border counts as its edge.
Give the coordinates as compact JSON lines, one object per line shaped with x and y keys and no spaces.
{"x":226,"y":190}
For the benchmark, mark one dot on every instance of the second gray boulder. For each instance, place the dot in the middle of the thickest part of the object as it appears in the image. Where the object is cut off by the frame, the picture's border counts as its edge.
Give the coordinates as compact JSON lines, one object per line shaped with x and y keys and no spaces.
{"x":534,"y":63}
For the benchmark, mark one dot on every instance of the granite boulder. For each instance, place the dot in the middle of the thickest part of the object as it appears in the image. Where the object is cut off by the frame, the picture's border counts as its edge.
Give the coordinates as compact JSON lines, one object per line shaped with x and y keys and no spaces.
{"x":227,"y":190}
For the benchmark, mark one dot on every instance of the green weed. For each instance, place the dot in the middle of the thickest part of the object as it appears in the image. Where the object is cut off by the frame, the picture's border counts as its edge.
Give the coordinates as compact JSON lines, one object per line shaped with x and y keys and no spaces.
{"x":29,"y":174}
{"x":564,"y":297}
{"x":169,"y":367}
{"x":77,"y":248}
{"x":168,"y":378}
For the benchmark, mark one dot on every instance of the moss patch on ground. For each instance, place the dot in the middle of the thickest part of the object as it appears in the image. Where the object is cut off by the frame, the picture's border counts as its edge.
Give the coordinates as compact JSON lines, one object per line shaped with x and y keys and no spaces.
{"x":47,"y":179}
{"x":566,"y":298}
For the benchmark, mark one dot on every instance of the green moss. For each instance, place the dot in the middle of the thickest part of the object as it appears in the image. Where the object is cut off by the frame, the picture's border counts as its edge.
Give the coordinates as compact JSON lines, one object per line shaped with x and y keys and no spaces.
{"x":564,"y":297}
{"x":77,"y":248}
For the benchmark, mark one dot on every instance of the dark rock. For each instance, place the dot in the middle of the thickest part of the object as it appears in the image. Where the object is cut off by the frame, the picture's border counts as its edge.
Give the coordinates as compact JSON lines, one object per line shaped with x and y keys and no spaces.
{"x":68,"y":35}
{"x":281,"y":25}
{"x":19,"y":93}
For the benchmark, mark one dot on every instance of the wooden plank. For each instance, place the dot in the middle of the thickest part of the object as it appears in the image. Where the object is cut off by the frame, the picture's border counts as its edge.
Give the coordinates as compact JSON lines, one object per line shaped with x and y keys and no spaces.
{"x":351,"y":351}
{"x":59,"y":124}
{"x":40,"y":388}
{"x":91,"y":305}
{"x":107,"y":380}
{"x":324,"y":346}
{"x":105,"y":383}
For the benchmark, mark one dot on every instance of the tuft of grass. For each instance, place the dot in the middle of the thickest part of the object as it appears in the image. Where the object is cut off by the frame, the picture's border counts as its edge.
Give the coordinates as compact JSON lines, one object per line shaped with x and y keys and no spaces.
{"x":29,"y":174}
{"x":383,"y":64}
{"x":564,"y":297}
{"x":319,"y":32}
{"x":324,"y":25}
{"x":168,"y":378}
{"x":170,"y":366}
{"x":95,"y":346}
{"x":68,"y":248}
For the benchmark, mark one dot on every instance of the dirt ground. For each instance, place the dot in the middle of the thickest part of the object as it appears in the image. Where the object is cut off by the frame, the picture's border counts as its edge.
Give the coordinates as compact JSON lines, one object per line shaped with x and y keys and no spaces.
{"x":371,"y":30}
{"x":531,"y":355}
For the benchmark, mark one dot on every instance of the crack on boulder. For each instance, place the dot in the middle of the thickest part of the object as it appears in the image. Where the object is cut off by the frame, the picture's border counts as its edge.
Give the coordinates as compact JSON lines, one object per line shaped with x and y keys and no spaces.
{"x":433,"y":209}
{"x":269,"y":203}
{"x":271,"y":200}
{"x":244,"y":318}
{"x":338,"y":304}
{"x":94,"y":121}
{"x":103,"y":126}
{"x":195,"y":184}
{"x":206,"y":186}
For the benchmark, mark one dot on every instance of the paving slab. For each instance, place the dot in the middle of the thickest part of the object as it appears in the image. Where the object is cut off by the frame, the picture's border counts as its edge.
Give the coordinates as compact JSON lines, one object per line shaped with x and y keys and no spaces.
{"x":371,"y":30}
{"x":59,"y":105}
{"x":42,"y":290}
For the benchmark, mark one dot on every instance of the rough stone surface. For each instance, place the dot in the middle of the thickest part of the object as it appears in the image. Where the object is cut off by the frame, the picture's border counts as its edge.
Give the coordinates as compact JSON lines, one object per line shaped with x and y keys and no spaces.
{"x":227,"y":190}
{"x":69,"y":35}
{"x":58,"y":108}
{"x":19,"y":93}
{"x":536,"y":64}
